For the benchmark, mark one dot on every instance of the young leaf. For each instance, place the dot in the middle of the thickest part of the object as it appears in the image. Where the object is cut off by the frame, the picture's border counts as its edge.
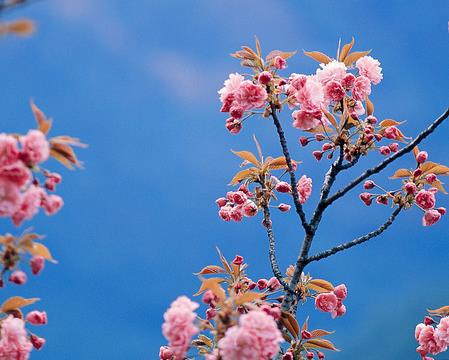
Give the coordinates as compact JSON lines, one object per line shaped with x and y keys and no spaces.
{"x":389,"y":122}
{"x":320,"y":333}
{"x":318,"y":56}
{"x":353,"y":57}
{"x":211,"y":269}
{"x":212,"y":284}
{"x":320,"y":344}
{"x":249,"y":296}
{"x":401,"y":173}
{"x":22,"y":27}
{"x":244,"y":174}
{"x":320,"y":285}
{"x":43,"y":124}
{"x":224,"y":261}
{"x":17,"y":302}
{"x":435,"y":168}
{"x":41,"y":250}
{"x":346,"y":49}
{"x":443,"y":311}
{"x":439,"y":185}
{"x":290,"y":323}
{"x":248,"y":156}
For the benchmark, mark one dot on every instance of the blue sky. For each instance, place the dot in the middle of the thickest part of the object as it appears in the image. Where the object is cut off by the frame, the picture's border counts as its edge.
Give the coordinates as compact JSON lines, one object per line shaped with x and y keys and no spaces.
{"x":137,"y":81}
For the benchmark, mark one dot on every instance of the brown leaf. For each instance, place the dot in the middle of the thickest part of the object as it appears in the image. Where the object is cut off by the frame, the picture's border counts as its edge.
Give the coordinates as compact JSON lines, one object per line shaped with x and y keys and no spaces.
{"x":401,"y":173}
{"x":346,"y":49}
{"x":243,"y":175}
{"x":22,"y":27}
{"x":435,"y":168}
{"x":283,"y":54}
{"x":320,"y":333}
{"x":289,"y":321}
{"x":330,"y":117}
{"x":318,"y":56}
{"x":353,"y":57}
{"x":369,"y":107}
{"x":320,"y":285}
{"x":248,"y":156}
{"x":389,"y":122}
{"x":249,"y":296}
{"x":224,"y":261}
{"x":17,"y":302}
{"x":320,"y":344}
{"x":212,"y":284}
{"x":43,"y":124}
{"x":444,"y":311}
{"x":211,"y":269}
{"x":278,"y":163}
{"x":40,"y":250}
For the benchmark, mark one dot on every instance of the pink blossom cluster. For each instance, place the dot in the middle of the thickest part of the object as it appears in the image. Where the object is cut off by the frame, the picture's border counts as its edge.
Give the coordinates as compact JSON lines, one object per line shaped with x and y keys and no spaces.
{"x":332,"y":302}
{"x":238,"y":96}
{"x":21,"y":196}
{"x":179,"y":327}
{"x":330,"y":84}
{"x":237,"y":204}
{"x":256,"y":337}
{"x":432,"y":340}
{"x":14,"y":343}
{"x":303,"y":187}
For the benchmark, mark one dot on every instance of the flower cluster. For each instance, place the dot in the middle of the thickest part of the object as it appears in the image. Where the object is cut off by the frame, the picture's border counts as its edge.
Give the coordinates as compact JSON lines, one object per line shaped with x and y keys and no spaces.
{"x":332,"y":302}
{"x":432,"y":340}
{"x":419,"y":187}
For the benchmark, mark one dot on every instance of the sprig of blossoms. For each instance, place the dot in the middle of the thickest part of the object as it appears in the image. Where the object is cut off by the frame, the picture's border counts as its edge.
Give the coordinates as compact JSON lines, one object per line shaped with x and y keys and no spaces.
{"x":432,"y":334}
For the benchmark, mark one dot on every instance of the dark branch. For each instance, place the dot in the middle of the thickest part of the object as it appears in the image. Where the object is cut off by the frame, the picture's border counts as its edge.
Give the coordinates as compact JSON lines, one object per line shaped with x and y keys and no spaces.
{"x":357,"y":241}
{"x":390,"y":159}
{"x":283,"y":141}
{"x":272,"y":249}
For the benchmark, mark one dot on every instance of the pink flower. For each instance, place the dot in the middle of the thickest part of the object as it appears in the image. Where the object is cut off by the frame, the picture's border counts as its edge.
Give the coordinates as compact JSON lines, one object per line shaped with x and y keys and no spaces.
{"x":421,"y":157}
{"x":257,"y":337}
{"x":339,"y":311}
{"x":52,"y":204}
{"x":362,"y":88}
{"x":428,"y":341}
{"x":16,"y":172}
{"x":233,"y":125}
{"x":311,"y":95}
{"x":225,"y":213}
{"x":334,"y":91}
{"x":262,"y":284}
{"x":283,"y":187}
{"x":265,"y":77}
{"x":304,"y":188}
{"x":37,"y":317}
{"x":341,"y":291}
{"x":348,"y":81}
{"x":231,"y":85}
{"x":367,"y":198}
{"x":8,"y":149}
{"x":284,"y":207}
{"x":273,"y":284}
{"x":18,"y":277}
{"x":442,"y":331}
{"x":237,"y":213}
{"x":249,"y":208}
{"x":333,"y":70}
{"x":221,"y":202}
{"x":37,"y":341}
{"x":179,"y":327}
{"x":29,"y":206}
{"x":165,"y":353}
{"x":326,"y":302}
{"x":410,"y":188}
{"x":37,"y":264}
{"x":279,"y":63}
{"x":392,"y":133}
{"x":9,"y":197}
{"x":238,"y":260}
{"x":14,"y":343}
{"x":431,"y":178}
{"x":239,"y":197}
{"x":307,"y":119}
{"x":370,"y":68}
{"x":425,"y":199}
{"x":250,"y":95}
{"x":431,"y":217}
{"x":385,"y":150}
{"x":36,"y":148}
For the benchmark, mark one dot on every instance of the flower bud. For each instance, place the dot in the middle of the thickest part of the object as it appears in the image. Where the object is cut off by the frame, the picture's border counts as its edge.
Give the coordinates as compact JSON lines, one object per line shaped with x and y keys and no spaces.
{"x":319,"y":137}
{"x":37,"y":317}
{"x":262,"y":284}
{"x":369,"y":184}
{"x":327,"y":146}
{"x":279,"y":63}
{"x":385,"y":150}
{"x":303,"y":140}
{"x":394,"y":147}
{"x":287,"y":356}
{"x":382,"y":200}
{"x":273,"y":284}
{"x":431,"y":178}
{"x":238,"y":260}
{"x":234,"y":126}
{"x":283,"y":187}
{"x":317,"y":154}
{"x":309,"y":355}
{"x":37,"y":341}
{"x":320,"y":355}
{"x":428,"y":320}
{"x":165,"y":353}
{"x":306,"y":335}
{"x":366,"y":198}
{"x":265,"y":77}
{"x":236,"y":112}
{"x":18,"y":277}
{"x":421,"y":157}
{"x":371,"y":120}
{"x":417,"y":173}
{"x":284,"y":207}
{"x":249,"y":208}
{"x":210,"y":313}
{"x":410,"y":188}
{"x":221,"y":202}
{"x":441,"y":210}
{"x":37,"y":264}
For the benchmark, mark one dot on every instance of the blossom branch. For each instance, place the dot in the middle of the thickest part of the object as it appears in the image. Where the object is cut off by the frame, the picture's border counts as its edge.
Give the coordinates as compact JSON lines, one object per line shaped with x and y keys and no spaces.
{"x":424,"y":134}
{"x":358,"y":241}
{"x":283,"y":141}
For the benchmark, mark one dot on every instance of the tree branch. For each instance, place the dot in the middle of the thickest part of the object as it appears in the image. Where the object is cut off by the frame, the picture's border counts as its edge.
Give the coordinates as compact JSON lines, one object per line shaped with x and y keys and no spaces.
{"x":283,"y":141}
{"x":357,"y":241}
{"x":272,"y":249}
{"x":390,"y":159}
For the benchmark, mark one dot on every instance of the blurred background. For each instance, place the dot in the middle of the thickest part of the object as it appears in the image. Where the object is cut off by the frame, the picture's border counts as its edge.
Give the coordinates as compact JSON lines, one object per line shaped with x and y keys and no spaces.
{"x":137,"y":80}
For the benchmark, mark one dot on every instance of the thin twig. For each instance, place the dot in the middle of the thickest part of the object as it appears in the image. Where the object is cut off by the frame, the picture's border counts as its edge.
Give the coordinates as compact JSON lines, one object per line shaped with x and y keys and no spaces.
{"x":358,"y":241}
{"x":390,"y":159}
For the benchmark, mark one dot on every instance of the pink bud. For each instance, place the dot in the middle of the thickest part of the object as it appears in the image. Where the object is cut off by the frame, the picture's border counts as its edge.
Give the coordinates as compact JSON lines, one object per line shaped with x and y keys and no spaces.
{"x":273,"y":284}
{"x":303,"y":140}
{"x":327,"y":146}
{"x":249,"y":208}
{"x":279,"y":63}
{"x":317,"y":154}
{"x":225,"y":213}
{"x":234,"y":126}
{"x":341,"y":291}
{"x":366,"y":198}
{"x":287,"y":356}
{"x":18,"y":277}
{"x":52,"y":204}
{"x":284,"y":207}
{"x":236,"y":213}
{"x":236,"y":112}
{"x":283,"y":187}
{"x":309,"y":355}
{"x":265,"y":77}
{"x":394,"y":147}
{"x":306,"y":335}
{"x":382,"y":200}
{"x":378,"y":137}
{"x":421,"y":157}
{"x":441,"y":210}
{"x":210,"y":298}
{"x":371,"y":119}
{"x":319,"y":137}
{"x":385,"y":150}
{"x":369,"y":184}
{"x":244,"y":189}
{"x":165,"y":353}
{"x":348,"y":80}
{"x":239,"y":197}
{"x":392,"y":133}
{"x":428,"y":320}
{"x":221,"y":202}
{"x":320,"y":355}
{"x":252,"y":285}
{"x":37,"y":318}
{"x":37,"y":341}
{"x":210,"y":313}
{"x":37,"y":263}
{"x":262,"y":284}
{"x":238,"y":260}
{"x":431,"y":178}
{"x":417,"y":173}
{"x":410,"y":188}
